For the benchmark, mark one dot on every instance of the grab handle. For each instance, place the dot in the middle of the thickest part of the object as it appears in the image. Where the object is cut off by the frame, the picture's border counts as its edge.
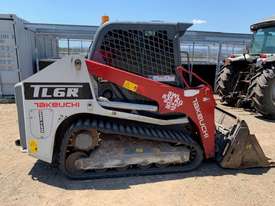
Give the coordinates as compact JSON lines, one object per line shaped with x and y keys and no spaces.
{"x":180,"y":70}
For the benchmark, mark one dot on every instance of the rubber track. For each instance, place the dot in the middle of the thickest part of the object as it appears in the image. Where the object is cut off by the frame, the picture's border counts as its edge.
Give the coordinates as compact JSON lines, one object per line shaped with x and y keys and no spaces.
{"x":138,"y":131}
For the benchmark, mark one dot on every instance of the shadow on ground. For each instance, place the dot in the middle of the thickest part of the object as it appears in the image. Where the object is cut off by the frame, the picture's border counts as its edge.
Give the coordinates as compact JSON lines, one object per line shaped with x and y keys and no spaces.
{"x":250,"y":112}
{"x":260,"y":117}
{"x":47,"y":174}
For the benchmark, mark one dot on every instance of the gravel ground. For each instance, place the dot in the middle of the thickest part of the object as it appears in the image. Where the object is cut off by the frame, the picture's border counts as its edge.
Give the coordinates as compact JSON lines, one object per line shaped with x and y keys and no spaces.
{"x":26,"y":181}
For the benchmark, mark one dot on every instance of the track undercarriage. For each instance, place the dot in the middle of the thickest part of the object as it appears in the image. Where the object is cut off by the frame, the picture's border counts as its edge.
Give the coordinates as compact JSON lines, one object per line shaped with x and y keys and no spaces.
{"x":116,"y":149}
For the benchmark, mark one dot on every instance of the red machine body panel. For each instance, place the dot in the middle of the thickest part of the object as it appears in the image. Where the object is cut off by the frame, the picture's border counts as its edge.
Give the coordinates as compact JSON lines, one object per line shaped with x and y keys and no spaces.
{"x":196,"y":102}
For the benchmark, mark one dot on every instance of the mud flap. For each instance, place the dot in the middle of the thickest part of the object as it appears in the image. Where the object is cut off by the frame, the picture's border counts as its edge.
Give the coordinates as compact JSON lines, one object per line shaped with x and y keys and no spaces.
{"x":236,"y":147}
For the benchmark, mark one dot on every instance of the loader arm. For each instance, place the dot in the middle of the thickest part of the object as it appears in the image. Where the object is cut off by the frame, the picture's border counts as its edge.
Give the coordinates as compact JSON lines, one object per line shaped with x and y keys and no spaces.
{"x":197,"y":102}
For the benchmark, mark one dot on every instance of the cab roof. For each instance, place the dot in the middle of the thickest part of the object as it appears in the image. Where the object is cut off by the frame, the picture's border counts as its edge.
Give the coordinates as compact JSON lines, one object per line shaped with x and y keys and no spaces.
{"x":267,"y":22}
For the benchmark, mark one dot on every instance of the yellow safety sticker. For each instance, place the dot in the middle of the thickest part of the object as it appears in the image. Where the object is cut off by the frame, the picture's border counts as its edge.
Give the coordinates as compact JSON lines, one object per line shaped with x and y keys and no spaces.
{"x":139,"y":150}
{"x":130,"y":86}
{"x":248,"y":147}
{"x":33,"y":146}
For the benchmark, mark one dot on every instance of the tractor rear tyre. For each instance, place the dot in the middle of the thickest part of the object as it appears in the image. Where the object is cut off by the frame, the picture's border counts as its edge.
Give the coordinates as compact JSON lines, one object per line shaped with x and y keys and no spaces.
{"x":262,"y":93}
{"x":225,"y":83}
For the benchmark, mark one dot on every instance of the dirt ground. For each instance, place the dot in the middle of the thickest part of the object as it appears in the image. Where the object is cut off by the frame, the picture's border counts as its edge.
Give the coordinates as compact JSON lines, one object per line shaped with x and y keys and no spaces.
{"x":27,"y":181}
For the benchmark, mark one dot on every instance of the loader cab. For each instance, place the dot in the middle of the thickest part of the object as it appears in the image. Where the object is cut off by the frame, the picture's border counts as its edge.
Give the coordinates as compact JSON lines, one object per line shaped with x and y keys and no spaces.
{"x":142,"y":48}
{"x":149,"y":49}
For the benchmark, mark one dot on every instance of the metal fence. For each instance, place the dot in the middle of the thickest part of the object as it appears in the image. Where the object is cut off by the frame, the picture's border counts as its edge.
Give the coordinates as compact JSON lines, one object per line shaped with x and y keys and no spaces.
{"x":209,"y":52}
{"x":73,"y":47}
{"x":55,"y":41}
{"x":199,"y":52}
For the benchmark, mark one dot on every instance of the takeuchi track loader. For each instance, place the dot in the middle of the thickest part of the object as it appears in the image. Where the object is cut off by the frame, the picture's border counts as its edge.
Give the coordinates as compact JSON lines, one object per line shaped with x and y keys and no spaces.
{"x":130,"y":108}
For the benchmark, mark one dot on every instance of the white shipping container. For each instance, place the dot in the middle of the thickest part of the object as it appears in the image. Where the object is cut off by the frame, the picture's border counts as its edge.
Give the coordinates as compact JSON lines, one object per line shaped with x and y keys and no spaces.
{"x":17,"y":53}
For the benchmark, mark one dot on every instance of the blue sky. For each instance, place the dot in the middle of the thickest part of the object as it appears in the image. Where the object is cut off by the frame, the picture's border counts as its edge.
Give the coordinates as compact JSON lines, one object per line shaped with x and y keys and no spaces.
{"x":212,"y":15}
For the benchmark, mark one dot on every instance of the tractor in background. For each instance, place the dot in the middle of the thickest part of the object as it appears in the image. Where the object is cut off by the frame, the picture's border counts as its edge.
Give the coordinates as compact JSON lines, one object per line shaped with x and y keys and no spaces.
{"x":248,"y":80}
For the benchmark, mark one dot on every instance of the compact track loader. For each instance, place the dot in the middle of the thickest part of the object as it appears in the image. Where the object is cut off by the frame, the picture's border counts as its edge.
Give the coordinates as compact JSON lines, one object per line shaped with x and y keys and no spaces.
{"x":129,"y":109}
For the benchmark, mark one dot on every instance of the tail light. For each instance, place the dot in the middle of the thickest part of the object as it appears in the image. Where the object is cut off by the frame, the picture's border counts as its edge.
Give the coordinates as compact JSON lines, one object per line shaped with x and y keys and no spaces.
{"x":263,"y":56}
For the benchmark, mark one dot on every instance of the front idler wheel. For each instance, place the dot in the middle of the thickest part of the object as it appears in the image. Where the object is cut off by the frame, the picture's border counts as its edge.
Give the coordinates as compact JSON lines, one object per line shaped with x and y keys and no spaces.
{"x":71,"y":167}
